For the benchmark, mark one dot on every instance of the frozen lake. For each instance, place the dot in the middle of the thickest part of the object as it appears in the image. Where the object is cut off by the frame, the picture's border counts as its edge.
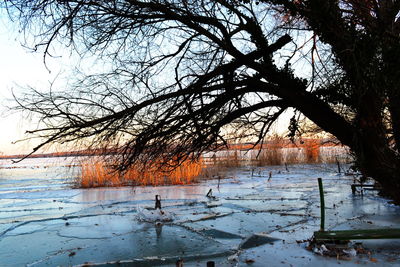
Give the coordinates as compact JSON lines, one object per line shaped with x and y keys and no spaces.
{"x":250,"y":221}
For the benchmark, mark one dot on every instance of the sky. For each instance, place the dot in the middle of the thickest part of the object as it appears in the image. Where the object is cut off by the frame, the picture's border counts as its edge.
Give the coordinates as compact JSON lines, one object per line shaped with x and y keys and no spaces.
{"x":19,"y":67}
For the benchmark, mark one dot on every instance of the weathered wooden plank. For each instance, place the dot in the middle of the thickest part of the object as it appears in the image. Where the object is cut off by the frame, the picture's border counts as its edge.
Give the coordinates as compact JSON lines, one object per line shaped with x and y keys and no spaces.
{"x":357,"y":234}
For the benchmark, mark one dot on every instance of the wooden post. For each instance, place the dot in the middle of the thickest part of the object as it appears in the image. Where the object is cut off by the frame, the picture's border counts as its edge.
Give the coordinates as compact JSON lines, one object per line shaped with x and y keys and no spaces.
{"x":158,"y":202}
{"x":210,"y":264}
{"x":353,"y":189}
{"x":338,"y":165}
{"x":322,"y":200}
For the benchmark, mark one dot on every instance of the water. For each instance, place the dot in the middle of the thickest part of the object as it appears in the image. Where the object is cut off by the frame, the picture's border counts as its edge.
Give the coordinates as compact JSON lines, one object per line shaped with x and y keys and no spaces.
{"x":44,"y":221}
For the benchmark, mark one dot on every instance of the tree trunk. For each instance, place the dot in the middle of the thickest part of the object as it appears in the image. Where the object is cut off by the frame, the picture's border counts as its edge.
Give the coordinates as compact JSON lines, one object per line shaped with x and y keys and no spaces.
{"x":394,"y":110}
{"x":374,"y":156}
{"x":380,"y":163}
{"x":366,"y":137}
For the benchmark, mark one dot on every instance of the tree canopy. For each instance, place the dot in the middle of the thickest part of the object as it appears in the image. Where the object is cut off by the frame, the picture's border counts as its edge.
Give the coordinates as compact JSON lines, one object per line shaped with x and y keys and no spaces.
{"x":185,"y":73}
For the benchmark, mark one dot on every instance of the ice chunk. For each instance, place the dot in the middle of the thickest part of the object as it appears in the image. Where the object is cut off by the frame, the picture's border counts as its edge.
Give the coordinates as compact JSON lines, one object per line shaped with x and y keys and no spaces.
{"x":351,"y":252}
{"x":234,"y":257}
{"x":156,"y":215}
{"x":323,"y":248}
{"x":320,"y":250}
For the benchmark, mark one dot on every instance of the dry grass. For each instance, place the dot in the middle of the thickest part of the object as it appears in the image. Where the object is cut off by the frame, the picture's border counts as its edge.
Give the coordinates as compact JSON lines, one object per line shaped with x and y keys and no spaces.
{"x":97,"y":173}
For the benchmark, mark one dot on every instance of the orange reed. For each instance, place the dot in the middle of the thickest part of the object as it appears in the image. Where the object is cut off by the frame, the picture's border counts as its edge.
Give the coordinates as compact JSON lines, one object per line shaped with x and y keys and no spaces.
{"x":97,"y":173}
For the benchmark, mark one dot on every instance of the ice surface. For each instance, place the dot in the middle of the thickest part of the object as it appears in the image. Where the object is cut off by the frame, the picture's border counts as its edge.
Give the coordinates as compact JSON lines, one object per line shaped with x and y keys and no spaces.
{"x":44,"y":222}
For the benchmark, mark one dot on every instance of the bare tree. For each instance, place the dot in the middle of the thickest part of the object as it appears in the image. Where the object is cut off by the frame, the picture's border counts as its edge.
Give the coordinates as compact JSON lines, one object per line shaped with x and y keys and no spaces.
{"x":186,"y":72}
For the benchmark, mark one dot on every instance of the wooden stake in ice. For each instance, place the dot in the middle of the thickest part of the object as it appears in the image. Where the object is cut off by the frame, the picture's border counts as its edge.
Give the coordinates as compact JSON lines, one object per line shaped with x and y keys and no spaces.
{"x":338,"y":165}
{"x":158,"y":202}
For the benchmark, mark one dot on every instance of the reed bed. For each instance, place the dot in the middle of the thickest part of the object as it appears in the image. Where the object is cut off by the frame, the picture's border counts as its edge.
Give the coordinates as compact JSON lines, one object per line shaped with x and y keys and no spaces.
{"x":280,"y":152}
{"x":97,"y":173}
